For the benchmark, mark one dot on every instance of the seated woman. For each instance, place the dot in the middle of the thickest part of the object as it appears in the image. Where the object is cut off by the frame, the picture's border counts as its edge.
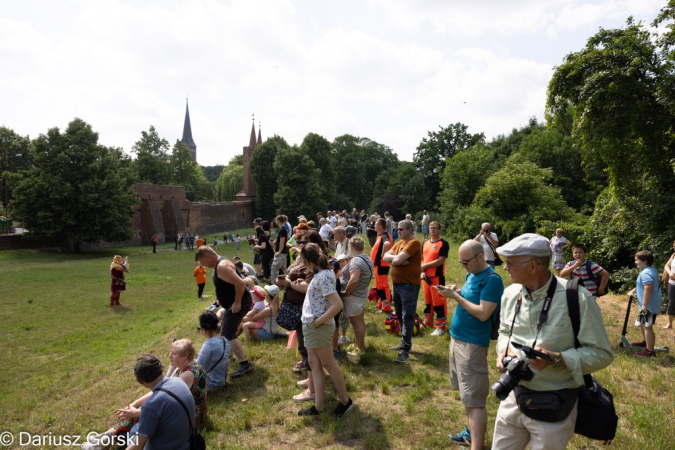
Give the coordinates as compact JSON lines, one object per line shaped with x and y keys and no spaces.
{"x":214,"y":356}
{"x":182,"y":357}
{"x":261,"y":321}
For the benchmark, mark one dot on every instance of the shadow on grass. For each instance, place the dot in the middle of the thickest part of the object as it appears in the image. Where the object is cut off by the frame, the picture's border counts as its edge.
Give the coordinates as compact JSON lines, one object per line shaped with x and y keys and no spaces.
{"x":356,"y":429}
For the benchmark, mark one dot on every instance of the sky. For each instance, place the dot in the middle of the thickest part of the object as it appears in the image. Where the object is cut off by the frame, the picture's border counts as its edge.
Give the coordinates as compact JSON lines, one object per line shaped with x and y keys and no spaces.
{"x":388,"y":70}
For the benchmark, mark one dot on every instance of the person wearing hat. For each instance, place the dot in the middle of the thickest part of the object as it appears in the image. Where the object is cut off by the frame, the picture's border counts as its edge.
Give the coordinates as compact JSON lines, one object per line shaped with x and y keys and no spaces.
{"x":527,"y":259}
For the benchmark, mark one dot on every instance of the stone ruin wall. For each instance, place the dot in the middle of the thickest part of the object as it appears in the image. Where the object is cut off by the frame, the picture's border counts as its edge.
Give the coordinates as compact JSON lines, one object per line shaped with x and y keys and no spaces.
{"x":165,"y":211}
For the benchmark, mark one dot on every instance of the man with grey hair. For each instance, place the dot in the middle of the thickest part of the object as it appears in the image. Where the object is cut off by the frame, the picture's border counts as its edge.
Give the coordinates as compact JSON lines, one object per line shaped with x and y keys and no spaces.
{"x":405,"y":258}
{"x":535,"y":313}
{"x":489,"y":241}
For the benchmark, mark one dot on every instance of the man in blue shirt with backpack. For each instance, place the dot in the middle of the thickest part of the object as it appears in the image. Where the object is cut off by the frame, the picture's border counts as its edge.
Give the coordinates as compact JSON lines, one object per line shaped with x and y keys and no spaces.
{"x":471,"y":329}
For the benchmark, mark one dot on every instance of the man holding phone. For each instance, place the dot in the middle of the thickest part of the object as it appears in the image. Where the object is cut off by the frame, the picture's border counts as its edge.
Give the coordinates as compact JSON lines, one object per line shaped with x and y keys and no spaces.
{"x":477,"y":306}
{"x":434,"y":253}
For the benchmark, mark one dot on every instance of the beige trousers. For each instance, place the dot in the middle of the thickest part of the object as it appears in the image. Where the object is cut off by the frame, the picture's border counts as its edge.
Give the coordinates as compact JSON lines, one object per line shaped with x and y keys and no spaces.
{"x":513,"y":429}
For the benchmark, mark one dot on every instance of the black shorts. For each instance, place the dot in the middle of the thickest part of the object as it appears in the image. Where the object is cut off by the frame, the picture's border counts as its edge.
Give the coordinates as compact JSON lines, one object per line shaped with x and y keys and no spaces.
{"x":256,"y":259}
{"x":231,"y":321}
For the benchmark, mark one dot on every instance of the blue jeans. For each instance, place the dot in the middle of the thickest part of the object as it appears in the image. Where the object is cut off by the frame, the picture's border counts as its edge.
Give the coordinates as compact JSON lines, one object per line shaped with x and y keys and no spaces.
{"x":405,"y":304}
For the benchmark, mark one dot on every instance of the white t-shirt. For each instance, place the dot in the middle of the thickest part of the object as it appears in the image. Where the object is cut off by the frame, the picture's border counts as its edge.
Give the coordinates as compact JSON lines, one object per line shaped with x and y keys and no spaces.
{"x":333,"y":221}
{"x":487,"y":251}
{"x":316,"y":303}
{"x":672,"y":270}
{"x":425,"y":219}
{"x":325,"y":231}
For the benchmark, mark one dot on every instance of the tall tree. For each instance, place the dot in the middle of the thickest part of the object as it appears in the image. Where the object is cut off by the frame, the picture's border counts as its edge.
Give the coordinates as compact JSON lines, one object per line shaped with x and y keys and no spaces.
{"x":14,"y":155}
{"x":264,"y":174}
{"x":431,"y":154}
{"x":76,"y":192}
{"x":402,"y":191}
{"x":231,"y":179}
{"x":299,"y":181}
{"x":319,"y":149}
{"x":363,"y":160}
{"x":152,"y":158}
{"x":621,"y":88}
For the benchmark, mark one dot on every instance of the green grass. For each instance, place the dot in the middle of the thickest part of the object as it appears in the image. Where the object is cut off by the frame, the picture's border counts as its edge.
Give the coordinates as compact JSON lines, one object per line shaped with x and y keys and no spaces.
{"x":68,"y":358}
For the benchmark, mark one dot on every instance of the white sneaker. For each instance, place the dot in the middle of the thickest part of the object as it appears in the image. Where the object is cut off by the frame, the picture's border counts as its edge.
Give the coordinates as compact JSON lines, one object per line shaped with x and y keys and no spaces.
{"x":438,"y":332}
{"x":344,"y":340}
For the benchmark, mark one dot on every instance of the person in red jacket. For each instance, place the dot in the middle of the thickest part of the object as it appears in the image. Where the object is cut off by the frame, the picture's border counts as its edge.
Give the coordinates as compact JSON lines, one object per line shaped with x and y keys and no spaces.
{"x":200,"y":277}
{"x":382,"y":246}
{"x":154,"y":243}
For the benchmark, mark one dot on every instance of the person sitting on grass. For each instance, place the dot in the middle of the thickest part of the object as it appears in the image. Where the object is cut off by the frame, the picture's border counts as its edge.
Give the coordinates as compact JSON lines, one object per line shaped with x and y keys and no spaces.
{"x":187,"y":369}
{"x":261,"y":321}
{"x":214,"y":356}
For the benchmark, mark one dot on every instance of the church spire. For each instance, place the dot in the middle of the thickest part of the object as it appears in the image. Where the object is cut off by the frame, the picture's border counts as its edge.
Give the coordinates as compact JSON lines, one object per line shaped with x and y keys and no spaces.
{"x":252,"y":141}
{"x":187,"y":134}
{"x":259,"y":135}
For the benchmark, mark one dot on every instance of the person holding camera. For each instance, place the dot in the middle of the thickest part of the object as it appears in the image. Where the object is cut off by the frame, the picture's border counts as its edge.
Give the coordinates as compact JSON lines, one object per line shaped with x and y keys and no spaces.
{"x":471,"y":328}
{"x":489,"y":241}
{"x":534,"y":313}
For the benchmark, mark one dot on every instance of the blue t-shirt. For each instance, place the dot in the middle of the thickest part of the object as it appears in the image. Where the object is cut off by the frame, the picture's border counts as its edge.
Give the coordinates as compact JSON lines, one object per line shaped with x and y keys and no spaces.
{"x":649,"y":276}
{"x":163,"y":420}
{"x":478,"y":286}
{"x":209,"y":355}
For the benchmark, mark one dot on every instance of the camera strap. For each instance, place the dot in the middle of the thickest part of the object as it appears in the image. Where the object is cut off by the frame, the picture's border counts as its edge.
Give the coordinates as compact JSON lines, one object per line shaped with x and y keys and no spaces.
{"x":543,"y":316}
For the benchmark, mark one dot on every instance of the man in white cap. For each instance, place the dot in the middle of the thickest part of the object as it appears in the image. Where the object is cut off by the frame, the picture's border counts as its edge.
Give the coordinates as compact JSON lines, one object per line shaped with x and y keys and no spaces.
{"x":535,"y":290}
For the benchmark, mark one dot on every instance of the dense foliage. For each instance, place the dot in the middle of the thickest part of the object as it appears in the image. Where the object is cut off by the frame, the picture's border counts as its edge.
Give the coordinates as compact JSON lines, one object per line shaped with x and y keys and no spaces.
{"x":76,"y":191}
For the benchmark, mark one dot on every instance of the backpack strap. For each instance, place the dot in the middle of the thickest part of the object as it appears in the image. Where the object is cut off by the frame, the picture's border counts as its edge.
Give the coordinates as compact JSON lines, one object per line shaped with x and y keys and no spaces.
{"x":572,"y":292}
{"x":591,"y":276}
{"x":496,"y":311}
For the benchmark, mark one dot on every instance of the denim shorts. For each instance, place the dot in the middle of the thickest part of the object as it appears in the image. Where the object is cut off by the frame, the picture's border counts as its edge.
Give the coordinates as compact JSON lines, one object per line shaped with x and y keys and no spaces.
{"x":264,"y":335}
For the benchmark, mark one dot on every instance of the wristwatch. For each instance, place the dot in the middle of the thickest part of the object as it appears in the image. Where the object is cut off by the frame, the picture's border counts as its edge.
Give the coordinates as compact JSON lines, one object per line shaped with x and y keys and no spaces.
{"x":558,"y":360}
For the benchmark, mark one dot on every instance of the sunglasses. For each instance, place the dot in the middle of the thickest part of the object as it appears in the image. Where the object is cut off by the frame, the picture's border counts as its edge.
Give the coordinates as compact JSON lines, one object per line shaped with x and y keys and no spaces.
{"x":466,"y":263}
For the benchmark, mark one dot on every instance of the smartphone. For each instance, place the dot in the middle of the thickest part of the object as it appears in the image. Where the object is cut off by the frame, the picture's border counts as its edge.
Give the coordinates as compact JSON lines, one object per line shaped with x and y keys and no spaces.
{"x":427,"y":279}
{"x":532,"y":353}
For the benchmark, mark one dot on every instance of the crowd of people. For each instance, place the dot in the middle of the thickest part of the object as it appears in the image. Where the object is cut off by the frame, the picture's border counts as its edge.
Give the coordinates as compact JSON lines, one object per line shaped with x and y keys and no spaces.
{"x":321,"y":273}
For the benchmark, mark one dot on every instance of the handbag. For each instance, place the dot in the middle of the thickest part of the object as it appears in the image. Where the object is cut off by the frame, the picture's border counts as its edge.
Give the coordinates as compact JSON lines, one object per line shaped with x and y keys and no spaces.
{"x":547,"y":406}
{"x":596,"y":414}
{"x":288,"y":316}
{"x":197,"y":441}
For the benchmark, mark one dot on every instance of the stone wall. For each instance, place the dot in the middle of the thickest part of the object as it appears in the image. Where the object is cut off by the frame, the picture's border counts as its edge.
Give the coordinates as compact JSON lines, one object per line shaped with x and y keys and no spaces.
{"x":207,"y":218}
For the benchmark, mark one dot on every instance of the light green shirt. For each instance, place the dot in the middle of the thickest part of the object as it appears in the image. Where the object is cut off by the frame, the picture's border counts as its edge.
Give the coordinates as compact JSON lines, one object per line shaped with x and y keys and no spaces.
{"x":556,"y":335}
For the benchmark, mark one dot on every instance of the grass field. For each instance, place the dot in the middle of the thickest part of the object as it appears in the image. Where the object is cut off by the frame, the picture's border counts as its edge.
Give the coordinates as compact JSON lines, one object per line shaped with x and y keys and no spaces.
{"x":68,"y":358}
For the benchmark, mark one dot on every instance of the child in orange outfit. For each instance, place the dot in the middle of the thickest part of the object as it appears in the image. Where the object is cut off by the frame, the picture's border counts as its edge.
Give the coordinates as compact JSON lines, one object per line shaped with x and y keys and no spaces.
{"x":200,"y":277}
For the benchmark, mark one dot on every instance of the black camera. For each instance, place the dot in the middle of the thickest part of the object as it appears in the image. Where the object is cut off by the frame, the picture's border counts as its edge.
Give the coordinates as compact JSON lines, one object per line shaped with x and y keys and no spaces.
{"x":516,"y":370}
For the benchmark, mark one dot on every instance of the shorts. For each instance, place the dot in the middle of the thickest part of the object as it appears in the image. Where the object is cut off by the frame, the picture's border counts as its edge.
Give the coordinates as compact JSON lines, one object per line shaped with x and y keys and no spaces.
{"x":469,"y":372}
{"x":558,"y":261}
{"x":353,"y":306}
{"x":425,"y":229}
{"x":264,"y":335}
{"x":231,"y":321}
{"x":321,"y":337}
{"x":256,"y":259}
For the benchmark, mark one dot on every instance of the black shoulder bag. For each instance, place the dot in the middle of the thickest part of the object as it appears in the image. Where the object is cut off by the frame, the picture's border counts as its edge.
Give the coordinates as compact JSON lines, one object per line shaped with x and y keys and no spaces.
{"x":596,"y":414}
{"x":547,"y":406}
{"x":498,"y":260}
{"x":196,"y":439}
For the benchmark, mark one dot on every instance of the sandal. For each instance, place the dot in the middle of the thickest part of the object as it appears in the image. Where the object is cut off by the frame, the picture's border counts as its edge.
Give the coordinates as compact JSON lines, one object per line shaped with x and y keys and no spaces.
{"x":305,"y":396}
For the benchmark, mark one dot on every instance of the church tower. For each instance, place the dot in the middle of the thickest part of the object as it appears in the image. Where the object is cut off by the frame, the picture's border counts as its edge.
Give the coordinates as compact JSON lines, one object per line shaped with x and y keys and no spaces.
{"x":187,"y":134}
{"x":248,"y":192}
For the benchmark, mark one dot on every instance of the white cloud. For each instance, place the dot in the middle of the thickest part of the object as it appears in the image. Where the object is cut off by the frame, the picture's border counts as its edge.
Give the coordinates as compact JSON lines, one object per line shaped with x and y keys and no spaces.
{"x":390,"y":71}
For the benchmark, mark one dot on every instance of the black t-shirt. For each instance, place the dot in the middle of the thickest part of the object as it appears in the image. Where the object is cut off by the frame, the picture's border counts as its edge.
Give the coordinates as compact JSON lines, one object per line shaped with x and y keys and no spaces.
{"x":282,"y":233}
{"x":225,"y":292}
{"x":268,"y":251}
